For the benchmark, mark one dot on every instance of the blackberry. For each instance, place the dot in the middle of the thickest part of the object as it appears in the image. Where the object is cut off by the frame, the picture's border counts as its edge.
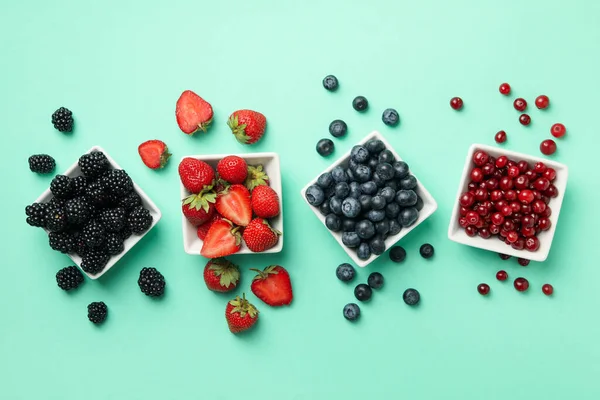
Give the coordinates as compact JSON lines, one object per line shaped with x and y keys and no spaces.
{"x":94,"y":234}
{"x":117,"y":182}
{"x":56,"y":218}
{"x":61,"y":241}
{"x":79,"y":246}
{"x":62,"y":119}
{"x":78,"y":211}
{"x":96,"y":194}
{"x":139,"y":220}
{"x":41,"y":163}
{"x":93,"y":164}
{"x":125,"y":232}
{"x":36,"y":214}
{"x":94,"y":260}
{"x":113,"y":219}
{"x":130,"y":201}
{"x":62,"y":186}
{"x":69,"y":278}
{"x":79,"y":184}
{"x":97,"y":312}
{"x":57,"y":202}
{"x":114,"y":243}
{"x":151,"y":282}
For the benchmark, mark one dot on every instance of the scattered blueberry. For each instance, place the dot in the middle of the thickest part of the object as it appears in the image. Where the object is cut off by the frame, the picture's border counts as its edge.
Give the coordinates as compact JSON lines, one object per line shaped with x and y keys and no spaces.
{"x":408,"y":216}
{"x":390,"y":117}
{"x":315,"y":195}
{"x":426,"y":250}
{"x":339,"y":174}
{"x":419,"y":205}
{"x":386,"y":156}
{"x":378,"y":202}
{"x":408,"y":183}
{"x":365,"y":229}
{"x":368,"y":187}
{"x":350,"y":239}
{"x":375,"y":280}
{"x":411,"y":297}
{"x":333,"y":222}
{"x":365,"y":202}
{"x":385,"y":171}
{"x":375,"y":146}
{"x":325,"y":147}
{"x":360,"y":103}
{"x":330,"y":83}
{"x":363,"y":292}
{"x":364,"y":251}
{"x":397,"y":254}
{"x":377,"y":245}
{"x":338,"y":128}
{"x":382,"y":227}
{"x":324,"y":208}
{"x":342,"y":190}
{"x":362,"y":173}
{"x":335,"y":205}
{"x":395,"y":227}
{"x":359,"y":154}
{"x":388,"y":194}
{"x":351,"y":207}
{"x":348,"y":225}
{"x":345,"y":272}
{"x":351,"y":311}
{"x":406,"y":198}
{"x":401,"y":169}
{"x":355,"y":190}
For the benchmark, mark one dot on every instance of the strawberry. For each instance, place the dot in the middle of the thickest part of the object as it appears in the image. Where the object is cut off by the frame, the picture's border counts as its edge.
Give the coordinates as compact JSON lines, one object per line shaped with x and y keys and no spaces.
{"x":256,"y":177}
{"x":273,"y":286}
{"x":265,"y":202}
{"x":221,"y":240}
{"x":241,"y":315}
{"x":154,"y":153}
{"x":259,"y":236}
{"x":196,"y":175}
{"x":199,"y":208}
{"x":233,"y":203}
{"x":233,"y":169}
{"x":193,"y":113}
{"x":203,"y":229}
{"x":248,"y":126}
{"x":221,"y":275}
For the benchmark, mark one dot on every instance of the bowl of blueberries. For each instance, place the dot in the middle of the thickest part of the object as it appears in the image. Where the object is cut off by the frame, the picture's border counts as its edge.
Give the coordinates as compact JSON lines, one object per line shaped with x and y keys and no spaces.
{"x":369,"y":199}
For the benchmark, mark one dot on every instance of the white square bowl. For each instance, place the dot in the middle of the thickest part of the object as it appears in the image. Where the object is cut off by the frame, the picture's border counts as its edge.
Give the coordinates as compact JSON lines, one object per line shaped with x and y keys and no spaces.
{"x":74,"y":171}
{"x":429,"y":203}
{"x":457,"y":234}
{"x":192,"y":244}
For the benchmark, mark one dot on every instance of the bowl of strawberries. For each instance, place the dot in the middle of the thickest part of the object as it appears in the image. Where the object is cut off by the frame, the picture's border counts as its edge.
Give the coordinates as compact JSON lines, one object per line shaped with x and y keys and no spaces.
{"x":231,"y":204}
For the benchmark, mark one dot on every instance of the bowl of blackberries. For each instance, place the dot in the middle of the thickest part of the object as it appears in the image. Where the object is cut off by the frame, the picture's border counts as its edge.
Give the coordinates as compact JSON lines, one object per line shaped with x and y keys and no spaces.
{"x":369,"y":199}
{"x":94,"y":213}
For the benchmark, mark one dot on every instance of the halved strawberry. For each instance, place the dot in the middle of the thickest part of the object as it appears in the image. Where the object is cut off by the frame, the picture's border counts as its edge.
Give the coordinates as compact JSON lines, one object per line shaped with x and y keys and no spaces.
{"x":221,"y":240}
{"x":233,"y":203}
{"x":199,"y":208}
{"x":193,"y":113}
{"x":203,"y":229}
{"x":273,"y":286}
{"x":154,"y":153}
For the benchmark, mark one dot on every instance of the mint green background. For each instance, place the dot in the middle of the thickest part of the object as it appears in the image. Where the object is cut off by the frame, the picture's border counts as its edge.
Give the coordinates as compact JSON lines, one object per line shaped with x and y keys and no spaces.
{"x":120,"y":66}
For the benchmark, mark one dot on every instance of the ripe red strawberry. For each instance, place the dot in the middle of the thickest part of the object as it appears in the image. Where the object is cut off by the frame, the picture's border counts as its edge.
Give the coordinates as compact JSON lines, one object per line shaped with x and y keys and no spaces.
{"x":193,"y":113}
{"x":196,"y":175}
{"x":233,"y":203}
{"x":259,"y":236}
{"x":154,"y":153}
{"x":221,"y":275}
{"x":265,"y":202}
{"x":203,"y":229}
{"x":248,"y":126}
{"x":256,"y":177}
{"x":199,"y":208}
{"x":240,"y":314}
{"x":273,"y":286}
{"x":233,"y":169}
{"x":221,"y":240}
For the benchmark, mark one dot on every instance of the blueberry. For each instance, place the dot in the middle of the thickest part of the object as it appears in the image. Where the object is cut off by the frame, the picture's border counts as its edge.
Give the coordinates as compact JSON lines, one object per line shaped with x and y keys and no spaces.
{"x":359,"y":154}
{"x":351,"y":207}
{"x":392,"y":210}
{"x":375,"y":280}
{"x":408,"y":183}
{"x":362,"y":173}
{"x":397,"y":254}
{"x":352,"y":164}
{"x":395,"y":227}
{"x":365,"y":202}
{"x":376,"y":215}
{"x":330,"y":83}
{"x":333,"y":222}
{"x":382,"y":227}
{"x":406,"y":198}
{"x":345,"y":272}
{"x":350,"y":175}
{"x":351,"y":311}
{"x":325,"y":147}
{"x":408,"y":216}
{"x":393,"y":184}
{"x":378,"y":203}
{"x":314,"y":195}
{"x":386,"y":156}
{"x":363,"y":292}
{"x":401,"y":169}
{"x":342,"y":190}
{"x":335,"y":205}
{"x":325,"y":180}
{"x":348,"y":225}
{"x":388,"y":194}
{"x":324,"y":208}
{"x":360,"y":103}
{"x":338,"y":128}
{"x":339,"y":174}
{"x":375,"y":146}
{"x":379,"y":181}
{"x":355,"y":190}
{"x":377,"y":245}
{"x":390,"y":117}
{"x":411,"y":297}
{"x":426,"y":250}
{"x":373,"y":163}
{"x":385,"y":171}
{"x":419,"y":205}
{"x":365,"y":229}
{"x":368,"y":187}
{"x":350,"y":239}
{"x":329,"y":192}
{"x":364,"y":251}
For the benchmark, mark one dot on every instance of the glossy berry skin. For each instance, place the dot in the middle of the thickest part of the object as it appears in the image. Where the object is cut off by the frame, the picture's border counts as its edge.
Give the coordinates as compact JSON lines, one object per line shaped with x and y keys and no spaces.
{"x":480,"y":158}
{"x":375,"y":280}
{"x":397,"y":254}
{"x":501,"y":275}
{"x":483,"y":289}
{"x":505,"y":89}
{"x":542,"y":102}
{"x":547,"y":289}
{"x":325,"y":147}
{"x":338,"y":128}
{"x":351,"y":311}
{"x":345,"y":272}
{"x":503,"y":256}
{"x":360,"y":103}
{"x":363,"y":292}
{"x":525,"y":119}
{"x":558,"y":130}
{"x":411,"y":297}
{"x":548,"y":147}
{"x":523,"y":262}
{"x":520,"y":104}
{"x":521,"y":284}
{"x":390,"y":117}
{"x":500,"y":137}
{"x":426,"y":250}
{"x":330,"y":83}
{"x":456,"y":103}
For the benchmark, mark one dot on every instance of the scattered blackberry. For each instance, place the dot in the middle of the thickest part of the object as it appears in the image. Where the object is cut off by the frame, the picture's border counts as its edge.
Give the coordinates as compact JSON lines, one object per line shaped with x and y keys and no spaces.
{"x":97,"y":312}
{"x":61,"y":241}
{"x":36,"y":214}
{"x":117,"y":182}
{"x":69,"y":278}
{"x":130,"y":201}
{"x":94,"y":234}
{"x":41,"y":163}
{"x":114,"y":243}
{"x":93,"y":164}
{"x":56,"y":218}
{"x":78,"y":211}
{"x":139,"y":220}
{"x":152,"y":282}
{"x":79,"y":184}
{"x":96,"y":194}
{"x":62,"y":186}
{"x":94,"y":260}
{"x":62,"y":119}
{"x":113,"y":219}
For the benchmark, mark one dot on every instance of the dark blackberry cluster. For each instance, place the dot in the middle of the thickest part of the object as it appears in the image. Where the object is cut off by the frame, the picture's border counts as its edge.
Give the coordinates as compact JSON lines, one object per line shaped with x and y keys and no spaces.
{"x":117,"y":182}
{"x":61,"y":241}
{"x":78,"y":211}
{"x":114,"y":243}
{"x":56,"y":218}
{"x":151,"y":282}
{"x":130,"y":201}
{"x":62,"y":119}
{"x":94,"y":260}
{"x":41,"y":163}
{"x":36,"y":214}
{"x":93,"y":164}
{"x":113,"y":219}
{"x":94,"y":234}
{"x":139,"y":220}
{"x":62,"y":187}
{"x":69,"y":278}
{"x":97,"y":312}
{"x":79,"y":185}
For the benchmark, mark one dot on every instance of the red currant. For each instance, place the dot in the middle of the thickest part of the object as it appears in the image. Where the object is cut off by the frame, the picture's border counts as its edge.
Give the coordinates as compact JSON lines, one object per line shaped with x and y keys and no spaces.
{"x":552,"y":191}
{"x":539,"y":168}
{"x":501,"y":275}
{"x":500,"y":137}
{"x":525,"y":119}
{"x":503,"y":256}
{"x":491,"y":184}
{"x":532,"y":243}
{"x":462,"y":221}
{"x":526,"y":209}
{"x":515,"y":206}
{"x":547,"y":289}
{"x":494,"y":229}
{"x":471,"y":231}
{"x":523,"y":262}
{"x":512,"y":236}
{"x":472,"y":218}
{"x":544,"y":224}
{"x":558,"y":130}
{"x":528,"y":221}
{"x":496,"y":195}
{"x":541,"y":184}
{"x":526,"y":196}
{"x":546,"y":213}
{"x":456,"y":103}
{"x":497,"y":219}
{"x":508,"y":225}
{"x":485,"y":233}
{"x":510,"y":195}
{"x":476,"y":175}
{"x":550,"y":174}
{"x":519,"y":244}
{"x":467,"y":199}
{"x":548,"y":147}
{"x":527,"y":231}
{"x":481,"y":195}
{"x":506,"y":183}
{"x":521,"y":182}
{"x":538,"y":206}
{"x":483,"y":289}
{"x":542,"y":102}
{"x":480,"y":158}
{"x":505,"y":88}
{"x":513,"y":171}
{"x":520,"y":104}
{"x":521,"y":284}
{"x":501,"y":161}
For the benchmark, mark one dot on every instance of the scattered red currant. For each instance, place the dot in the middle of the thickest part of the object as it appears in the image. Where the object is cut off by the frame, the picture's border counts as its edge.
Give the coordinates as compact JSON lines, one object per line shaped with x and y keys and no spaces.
{"x":505,"y":89}
{"x":500,"y":137}
{"x":483,"y":289}
{"x":558,"y":130}
{"x":520,"y":104}
{"x":548,"y":147}
{"x":521,"y":284}
{"x":501,"y":275}
{"x":503,"y":256}
{"x":547,"y":289}
{"x":523,"y":262}
{"x":525,"y":119}
{"x":542,"y":102}
{"x":456,"y":103}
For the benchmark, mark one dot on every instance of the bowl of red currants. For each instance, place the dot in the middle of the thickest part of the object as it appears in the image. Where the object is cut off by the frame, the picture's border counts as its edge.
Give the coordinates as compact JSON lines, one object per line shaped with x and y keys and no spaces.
{"x":508,"y":202}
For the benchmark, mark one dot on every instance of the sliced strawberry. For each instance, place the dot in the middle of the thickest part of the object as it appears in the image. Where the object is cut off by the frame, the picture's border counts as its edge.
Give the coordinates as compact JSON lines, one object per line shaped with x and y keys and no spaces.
{"x":193,"y":113}
{"x":221,"y":240}
{"x":203,"y":229}
{"x":154,"y":153}
{"x":233,"y":203}
{"x":273,"y":286}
